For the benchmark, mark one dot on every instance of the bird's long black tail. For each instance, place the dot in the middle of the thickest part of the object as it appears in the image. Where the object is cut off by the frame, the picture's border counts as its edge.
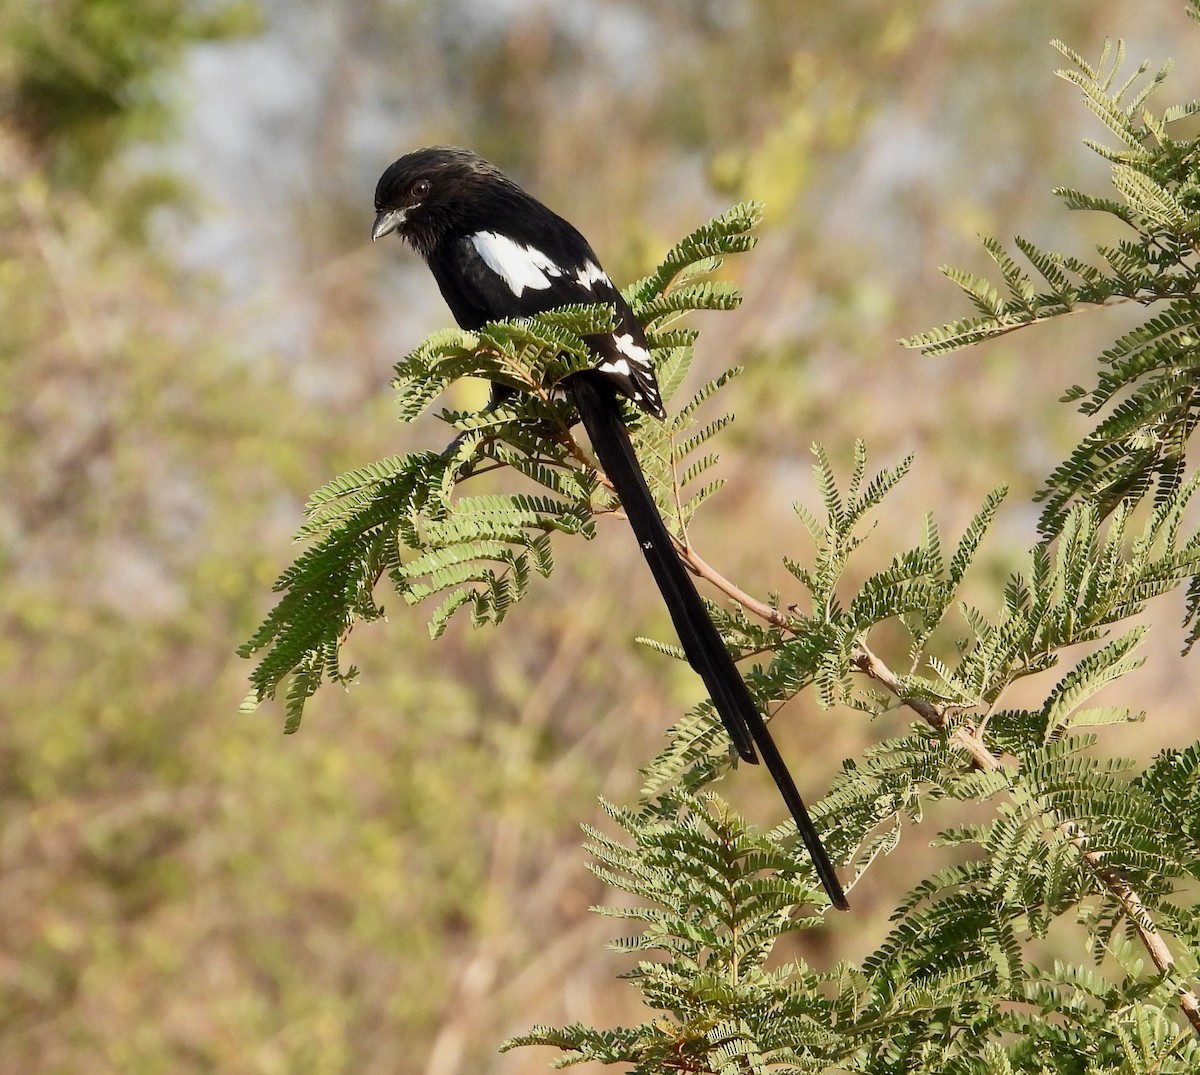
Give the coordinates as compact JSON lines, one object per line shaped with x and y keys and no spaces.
{"x":703,"y":646}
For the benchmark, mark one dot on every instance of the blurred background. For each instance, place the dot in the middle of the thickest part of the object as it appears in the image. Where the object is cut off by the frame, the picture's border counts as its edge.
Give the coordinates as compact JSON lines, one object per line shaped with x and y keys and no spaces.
{"x":195,"y":332}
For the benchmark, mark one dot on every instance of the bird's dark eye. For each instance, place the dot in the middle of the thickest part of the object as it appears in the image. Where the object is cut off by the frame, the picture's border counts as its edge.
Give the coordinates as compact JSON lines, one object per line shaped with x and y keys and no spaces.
{"x":420,"y":188}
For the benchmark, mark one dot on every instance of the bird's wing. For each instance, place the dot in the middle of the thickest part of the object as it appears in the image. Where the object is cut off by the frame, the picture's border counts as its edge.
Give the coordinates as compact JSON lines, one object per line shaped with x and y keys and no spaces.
{"x":488,"y":275}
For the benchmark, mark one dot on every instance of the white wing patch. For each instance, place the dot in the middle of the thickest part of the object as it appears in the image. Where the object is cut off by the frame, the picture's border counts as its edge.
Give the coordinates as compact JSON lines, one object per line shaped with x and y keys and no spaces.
{"x":635,"y":352}
{"x":517,"y":265}
{"x":636,"y":372}
{"x":618,"y":366}
{"x":590,"y":274}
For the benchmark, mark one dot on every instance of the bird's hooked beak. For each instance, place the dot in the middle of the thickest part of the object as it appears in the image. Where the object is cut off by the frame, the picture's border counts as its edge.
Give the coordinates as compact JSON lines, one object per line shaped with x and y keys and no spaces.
{"x":386,"y":222}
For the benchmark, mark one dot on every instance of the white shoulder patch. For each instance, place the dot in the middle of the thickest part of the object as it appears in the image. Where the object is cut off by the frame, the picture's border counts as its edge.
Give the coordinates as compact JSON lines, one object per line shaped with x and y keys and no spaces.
{"x":517,"y":265}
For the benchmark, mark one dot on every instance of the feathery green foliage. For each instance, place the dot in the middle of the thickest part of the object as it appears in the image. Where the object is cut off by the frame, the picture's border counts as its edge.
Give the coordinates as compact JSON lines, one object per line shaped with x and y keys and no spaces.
{"x":1074,"y":839}
{"x":1147,"y":384}
{"x":1072,"y":832}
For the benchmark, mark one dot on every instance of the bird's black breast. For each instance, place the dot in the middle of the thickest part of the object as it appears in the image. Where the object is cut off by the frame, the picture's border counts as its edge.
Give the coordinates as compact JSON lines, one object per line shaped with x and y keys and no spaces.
{"x":468,"y":286}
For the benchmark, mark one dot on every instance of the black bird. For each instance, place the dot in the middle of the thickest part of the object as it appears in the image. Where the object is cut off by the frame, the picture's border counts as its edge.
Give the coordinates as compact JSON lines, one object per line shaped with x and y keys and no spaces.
{"x":497,"y":252}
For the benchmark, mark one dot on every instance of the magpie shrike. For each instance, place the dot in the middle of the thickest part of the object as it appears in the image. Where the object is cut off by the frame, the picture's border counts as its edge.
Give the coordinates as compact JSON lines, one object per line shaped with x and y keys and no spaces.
{"x":496,"y":252}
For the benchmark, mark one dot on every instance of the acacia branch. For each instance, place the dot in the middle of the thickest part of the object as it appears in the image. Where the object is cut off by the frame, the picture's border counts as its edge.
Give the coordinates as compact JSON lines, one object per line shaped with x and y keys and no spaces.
{"x":968,"y":739}
{"x":1001,"y":327}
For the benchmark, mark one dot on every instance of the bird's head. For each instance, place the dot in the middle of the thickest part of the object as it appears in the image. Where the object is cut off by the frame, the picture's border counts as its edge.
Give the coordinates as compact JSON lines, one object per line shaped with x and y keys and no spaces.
{"x":427,"y":194}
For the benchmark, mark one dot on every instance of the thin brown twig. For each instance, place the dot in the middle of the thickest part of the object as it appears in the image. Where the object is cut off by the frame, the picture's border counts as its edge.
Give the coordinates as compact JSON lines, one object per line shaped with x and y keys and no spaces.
{"x":682,"y":542}
{"x":697,"y":565}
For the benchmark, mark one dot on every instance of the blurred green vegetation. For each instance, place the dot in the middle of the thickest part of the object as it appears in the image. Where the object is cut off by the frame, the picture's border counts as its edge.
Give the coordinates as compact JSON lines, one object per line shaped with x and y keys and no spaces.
{"x":399,"y":886}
